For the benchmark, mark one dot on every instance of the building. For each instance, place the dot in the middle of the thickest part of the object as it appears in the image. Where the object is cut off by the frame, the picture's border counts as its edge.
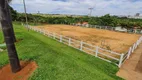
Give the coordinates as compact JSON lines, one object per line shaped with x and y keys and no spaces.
{"x":78,"y":24}
{"x":137,"y":16}
{"x":85,"y":24}
{"x":119,"y":28}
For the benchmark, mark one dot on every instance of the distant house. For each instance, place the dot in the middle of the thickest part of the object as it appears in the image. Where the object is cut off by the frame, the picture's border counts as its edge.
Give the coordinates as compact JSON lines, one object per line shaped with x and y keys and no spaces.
{"x":85,"y":24}
{"x":119,"y":28}
{"x":78,"y":24}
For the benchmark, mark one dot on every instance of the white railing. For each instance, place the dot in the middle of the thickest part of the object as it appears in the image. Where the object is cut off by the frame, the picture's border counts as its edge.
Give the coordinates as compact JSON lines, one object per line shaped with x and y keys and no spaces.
{"x":96,"y":51}
{"x":137,"y":31}
{"x":132,"y":49}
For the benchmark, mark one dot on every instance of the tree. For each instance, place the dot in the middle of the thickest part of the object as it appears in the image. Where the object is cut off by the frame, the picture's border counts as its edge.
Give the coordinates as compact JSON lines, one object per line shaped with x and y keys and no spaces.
{"x":6,"y":27}
{"x":13,"y":13}
{"x":10,"y":21}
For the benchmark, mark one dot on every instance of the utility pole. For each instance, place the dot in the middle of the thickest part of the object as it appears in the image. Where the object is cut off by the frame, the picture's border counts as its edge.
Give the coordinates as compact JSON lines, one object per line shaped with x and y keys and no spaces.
{"x":7,"y":32}
{"x":25,"y":13}
{"x":38,"y":12}
{"x":90,"y":11}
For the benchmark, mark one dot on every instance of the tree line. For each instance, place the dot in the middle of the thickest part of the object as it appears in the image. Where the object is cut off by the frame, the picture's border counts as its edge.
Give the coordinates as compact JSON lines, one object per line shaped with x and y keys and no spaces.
{"x":106,"y":20}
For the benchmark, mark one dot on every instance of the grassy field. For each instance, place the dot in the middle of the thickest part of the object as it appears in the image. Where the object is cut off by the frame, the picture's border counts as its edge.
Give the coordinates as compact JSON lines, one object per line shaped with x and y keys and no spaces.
{"x":1,"y":37}
{"x":57,"y":61}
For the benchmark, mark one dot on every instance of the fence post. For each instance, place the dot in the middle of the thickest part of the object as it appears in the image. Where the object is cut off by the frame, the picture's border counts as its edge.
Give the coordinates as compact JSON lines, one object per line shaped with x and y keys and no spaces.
{"x":135,"y":45}
{"x":106,"y":27}
{"x":129,"y":52}
{"x":54,"y":36}
{"x":97,"y":50}
{"x":40,"y":31}
{"x":95,"y":26}
{"x":133,"y":48}
{"x":44,"y":32}
{"x":69,"y":41}
{"x":120,"y":61}
{"x":112,"y":28}
{"x":48,"y":33}
{"x":60,"y":38}
{"x":81,"y":45}
{"x":139,"y":41}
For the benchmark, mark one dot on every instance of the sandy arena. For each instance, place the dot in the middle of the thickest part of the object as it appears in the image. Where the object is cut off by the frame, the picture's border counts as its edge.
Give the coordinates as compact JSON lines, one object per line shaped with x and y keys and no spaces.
{"x":115,"y":41}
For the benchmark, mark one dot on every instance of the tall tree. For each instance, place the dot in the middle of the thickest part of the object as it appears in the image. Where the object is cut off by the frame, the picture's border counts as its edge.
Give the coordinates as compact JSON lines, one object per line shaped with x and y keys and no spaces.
{"x":10,"y":21}
{"x":6,"y":27}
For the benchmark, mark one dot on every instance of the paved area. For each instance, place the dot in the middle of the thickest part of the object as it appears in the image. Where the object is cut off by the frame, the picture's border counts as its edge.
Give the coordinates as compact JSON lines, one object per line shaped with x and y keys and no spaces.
{"x":132,"y":68}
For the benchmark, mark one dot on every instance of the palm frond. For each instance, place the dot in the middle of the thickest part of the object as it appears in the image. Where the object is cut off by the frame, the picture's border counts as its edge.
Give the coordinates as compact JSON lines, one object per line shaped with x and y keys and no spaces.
{"x":9,"y":1}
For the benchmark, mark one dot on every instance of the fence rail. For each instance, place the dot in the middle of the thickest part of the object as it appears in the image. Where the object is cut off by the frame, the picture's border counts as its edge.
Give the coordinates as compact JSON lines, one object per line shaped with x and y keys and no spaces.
{"x":137,"y":31}
{"x":96,"y":51}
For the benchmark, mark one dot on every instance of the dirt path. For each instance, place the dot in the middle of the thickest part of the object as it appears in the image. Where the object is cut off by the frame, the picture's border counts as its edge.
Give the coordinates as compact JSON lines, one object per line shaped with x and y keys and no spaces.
{"x":132,"y":68}
{"x":27,"y":69}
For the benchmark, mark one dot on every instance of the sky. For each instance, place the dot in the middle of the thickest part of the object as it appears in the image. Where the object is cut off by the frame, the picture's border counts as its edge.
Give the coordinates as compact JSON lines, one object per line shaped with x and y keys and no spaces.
{"x":80,"y":7}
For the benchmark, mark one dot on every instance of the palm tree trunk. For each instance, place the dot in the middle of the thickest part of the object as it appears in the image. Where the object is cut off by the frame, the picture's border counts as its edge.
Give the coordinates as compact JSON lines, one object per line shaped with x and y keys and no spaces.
{"x":10,"y":21}
{"x":12,"y":53}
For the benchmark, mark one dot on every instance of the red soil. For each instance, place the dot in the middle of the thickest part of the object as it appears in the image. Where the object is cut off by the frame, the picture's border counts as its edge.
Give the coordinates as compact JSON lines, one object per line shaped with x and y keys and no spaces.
{"x":27,"y":69}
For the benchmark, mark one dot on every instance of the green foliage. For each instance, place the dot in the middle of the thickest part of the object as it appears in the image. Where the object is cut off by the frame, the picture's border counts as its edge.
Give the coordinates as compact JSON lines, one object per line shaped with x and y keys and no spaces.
{"x":13,"y":13}
{"x":1,"y":37}
{"x":105,"y":20}
{"x":3,"y":46}
{"x":57,"y":61}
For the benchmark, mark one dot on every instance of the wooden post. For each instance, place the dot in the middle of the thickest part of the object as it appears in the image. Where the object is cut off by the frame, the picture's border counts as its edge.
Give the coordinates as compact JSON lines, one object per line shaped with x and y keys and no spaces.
{"x":60,"y":38}
{"x":69,"y":41}
{"x":81,"y":45}
{"x":120,"y":61}
{"x":129,"y":52}
{"x":97,"y":51}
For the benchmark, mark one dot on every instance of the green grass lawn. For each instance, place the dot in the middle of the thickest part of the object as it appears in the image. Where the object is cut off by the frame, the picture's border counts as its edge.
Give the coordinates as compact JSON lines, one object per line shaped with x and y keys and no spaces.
{"x":1,"y":37}
{"x":57,"y":61}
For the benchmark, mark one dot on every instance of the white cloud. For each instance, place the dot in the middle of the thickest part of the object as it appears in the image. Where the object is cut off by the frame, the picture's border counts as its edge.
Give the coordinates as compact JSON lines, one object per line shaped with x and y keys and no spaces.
{"x":101,"y":7}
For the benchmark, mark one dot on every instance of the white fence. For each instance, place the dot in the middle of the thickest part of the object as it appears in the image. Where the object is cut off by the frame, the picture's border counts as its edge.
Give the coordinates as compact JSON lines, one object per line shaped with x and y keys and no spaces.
{"x":132,"y":49}
{"x":137,"y":31}
{"x":101,"y":53}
